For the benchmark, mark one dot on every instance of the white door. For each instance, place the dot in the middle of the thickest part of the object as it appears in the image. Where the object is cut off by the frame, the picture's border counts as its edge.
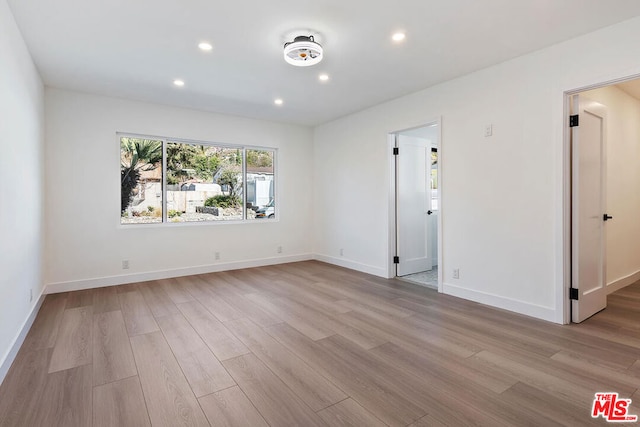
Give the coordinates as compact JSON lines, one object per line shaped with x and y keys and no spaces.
{"x":413,"y":193}
{"x":432,"y":204}
{"x":588,"y":209}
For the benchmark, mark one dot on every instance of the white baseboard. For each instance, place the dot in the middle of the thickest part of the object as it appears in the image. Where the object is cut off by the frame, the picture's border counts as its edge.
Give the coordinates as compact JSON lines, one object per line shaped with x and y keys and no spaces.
{"x":618,"y":284}
{"x":77,"y":285}
{"x":353,"y":265}
{"x":521,"y":307}
{"x":540,"y":312}
{"x":8,"y":358}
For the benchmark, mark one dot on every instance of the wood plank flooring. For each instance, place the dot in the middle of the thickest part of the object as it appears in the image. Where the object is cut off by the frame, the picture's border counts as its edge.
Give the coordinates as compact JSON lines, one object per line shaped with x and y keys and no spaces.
{"x":310,"y":344}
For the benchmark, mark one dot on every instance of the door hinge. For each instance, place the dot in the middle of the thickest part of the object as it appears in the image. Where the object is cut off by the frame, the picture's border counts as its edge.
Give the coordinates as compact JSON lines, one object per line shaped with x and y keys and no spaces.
{"x":396,"y":150}
{"x":573,"y":293}
{"x":396,"y":260}
{"x":574,"y":120}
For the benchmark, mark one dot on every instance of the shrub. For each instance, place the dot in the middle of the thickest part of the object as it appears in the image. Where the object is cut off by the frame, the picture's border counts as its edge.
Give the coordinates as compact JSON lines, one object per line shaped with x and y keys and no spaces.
{"x":173,"y":213}
{"x":223,"y":201}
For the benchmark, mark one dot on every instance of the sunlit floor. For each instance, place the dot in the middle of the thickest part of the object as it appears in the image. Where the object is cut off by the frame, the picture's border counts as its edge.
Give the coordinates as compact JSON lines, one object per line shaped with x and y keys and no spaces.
{"x":311,"y":344}
{"x":424,"y":278}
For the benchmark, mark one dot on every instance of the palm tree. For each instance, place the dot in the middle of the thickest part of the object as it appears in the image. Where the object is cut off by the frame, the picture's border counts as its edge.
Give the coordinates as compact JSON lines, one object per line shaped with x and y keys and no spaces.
{"x":136,"y":155}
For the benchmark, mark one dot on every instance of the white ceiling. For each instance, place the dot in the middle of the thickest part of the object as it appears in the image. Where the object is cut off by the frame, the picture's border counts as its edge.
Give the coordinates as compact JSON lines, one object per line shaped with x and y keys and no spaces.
{"x":136,"y":48}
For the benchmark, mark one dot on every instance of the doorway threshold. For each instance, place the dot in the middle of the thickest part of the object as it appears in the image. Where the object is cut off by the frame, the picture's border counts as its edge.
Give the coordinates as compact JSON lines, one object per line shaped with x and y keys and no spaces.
{"x":424,"y":278}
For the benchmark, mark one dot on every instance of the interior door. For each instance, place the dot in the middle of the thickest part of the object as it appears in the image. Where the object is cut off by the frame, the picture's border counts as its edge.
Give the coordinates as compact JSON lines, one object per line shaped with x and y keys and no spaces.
{"x":432,"y":204}
{"x":588,"y":209}
{"x":413,"y":193}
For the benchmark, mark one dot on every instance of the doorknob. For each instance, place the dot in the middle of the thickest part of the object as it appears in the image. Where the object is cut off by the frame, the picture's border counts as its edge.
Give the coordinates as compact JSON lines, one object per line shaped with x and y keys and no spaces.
{"x":429,"y":212}
{"x":606,"y":217}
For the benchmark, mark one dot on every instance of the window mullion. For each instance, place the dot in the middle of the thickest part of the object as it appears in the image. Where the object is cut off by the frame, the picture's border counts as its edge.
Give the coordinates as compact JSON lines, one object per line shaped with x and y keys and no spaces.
{"x":244,"y":184}
{"x":164,"y":182}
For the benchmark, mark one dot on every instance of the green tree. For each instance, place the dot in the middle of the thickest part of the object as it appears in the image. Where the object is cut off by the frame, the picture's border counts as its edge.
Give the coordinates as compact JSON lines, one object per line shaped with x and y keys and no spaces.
{"x":206,"y":166}
{"x":136,"y":155}
{"x":230,"y":176}
{"x":259,"y":158}
{"x":179,"y":158}
{"x":185,"y":161}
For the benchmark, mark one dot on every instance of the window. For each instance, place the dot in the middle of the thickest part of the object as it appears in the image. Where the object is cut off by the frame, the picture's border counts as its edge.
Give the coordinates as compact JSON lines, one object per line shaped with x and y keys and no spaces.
{"x":140,"y":180}
{"x":260,"y":184}
{"x":172,"y":181}
{"x":204,"y":183}
{"x":434,"y":179}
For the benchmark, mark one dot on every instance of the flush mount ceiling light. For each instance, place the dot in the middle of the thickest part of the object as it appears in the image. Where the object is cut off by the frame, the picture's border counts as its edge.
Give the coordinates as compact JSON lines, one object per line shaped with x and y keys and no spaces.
{"x":303,"y":51}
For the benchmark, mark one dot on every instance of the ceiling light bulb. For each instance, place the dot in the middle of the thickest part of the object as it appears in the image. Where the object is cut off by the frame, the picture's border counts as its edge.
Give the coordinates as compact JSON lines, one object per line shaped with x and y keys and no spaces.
{"x":398,"y":37}
{"x":323,"y":77}
{"x":205,"y":46}
{"x":178,"y":82}
{"x":278,"y":101}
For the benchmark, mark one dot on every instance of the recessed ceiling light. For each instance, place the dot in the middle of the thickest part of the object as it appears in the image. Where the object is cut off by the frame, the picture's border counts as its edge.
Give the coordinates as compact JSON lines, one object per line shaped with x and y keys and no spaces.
{"x":278,"y":101}
{"x":323,"y":77}
{"x":178,"y":82}
{"x":398,"y":37}
{"x":206,"y":46}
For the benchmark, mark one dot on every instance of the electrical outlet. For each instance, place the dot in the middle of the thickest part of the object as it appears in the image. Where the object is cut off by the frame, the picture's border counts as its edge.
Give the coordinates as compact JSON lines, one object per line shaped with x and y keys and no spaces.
{"x":125,"y":264}
{"x":488,"y":130}
{"x":216,"y":256}
{"x":341,"y":252}
{"x":279,"y":249}
{"x":456,"y":273}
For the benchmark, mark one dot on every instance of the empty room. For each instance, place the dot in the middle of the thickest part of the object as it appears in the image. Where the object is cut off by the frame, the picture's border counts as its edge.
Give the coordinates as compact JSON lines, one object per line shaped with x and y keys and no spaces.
{"x":328,"y":213}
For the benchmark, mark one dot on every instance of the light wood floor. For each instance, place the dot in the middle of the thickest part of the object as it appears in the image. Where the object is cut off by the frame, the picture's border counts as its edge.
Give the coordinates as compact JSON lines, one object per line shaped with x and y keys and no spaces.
{"x":310,"y":344}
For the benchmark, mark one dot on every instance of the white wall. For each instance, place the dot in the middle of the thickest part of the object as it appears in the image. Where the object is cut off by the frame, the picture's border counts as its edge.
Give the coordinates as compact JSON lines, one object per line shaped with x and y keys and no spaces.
{"x":21,"y":144}
{"x":502,"y":201}
{"x":85,"y":244}
{"x":623,"y":184}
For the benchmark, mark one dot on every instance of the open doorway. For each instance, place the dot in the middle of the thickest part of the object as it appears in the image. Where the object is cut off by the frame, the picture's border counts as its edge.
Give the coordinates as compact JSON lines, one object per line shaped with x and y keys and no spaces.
{"x":604,"y":162}
{"x":417,"y":196}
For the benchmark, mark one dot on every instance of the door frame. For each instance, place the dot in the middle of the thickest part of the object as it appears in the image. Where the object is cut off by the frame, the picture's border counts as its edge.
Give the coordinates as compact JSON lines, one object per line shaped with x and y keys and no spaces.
{"x":567,"y":203}
{"x":393,"y":182}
